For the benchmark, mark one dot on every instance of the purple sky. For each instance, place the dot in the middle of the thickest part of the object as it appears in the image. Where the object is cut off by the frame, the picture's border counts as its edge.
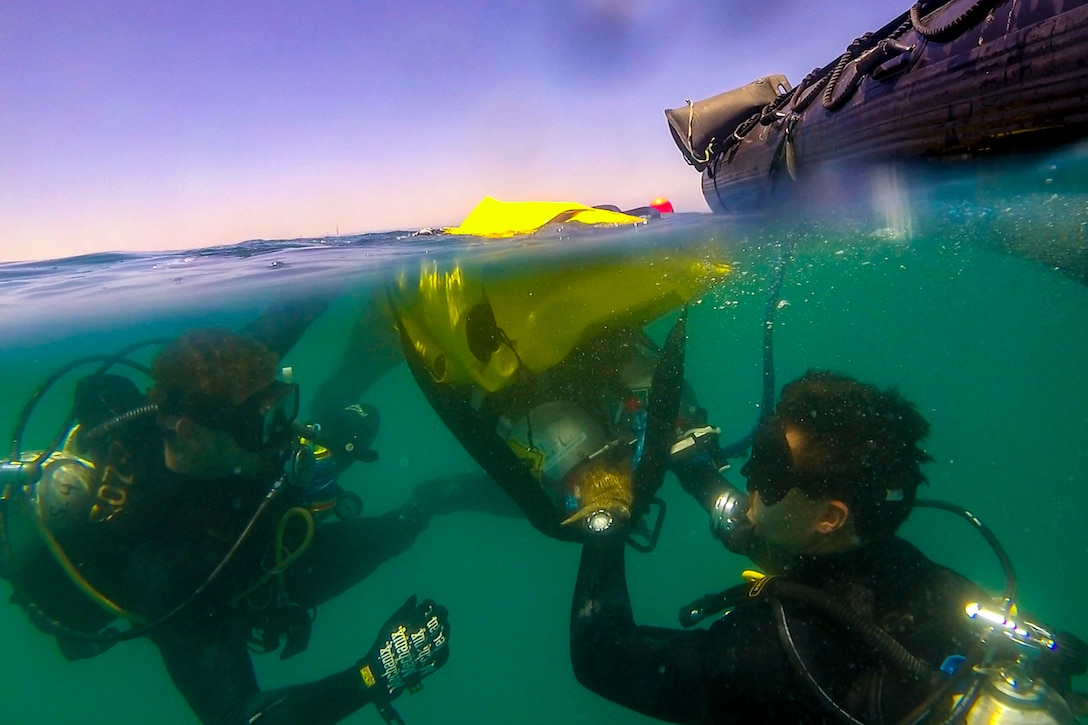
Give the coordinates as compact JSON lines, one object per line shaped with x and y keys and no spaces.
{"x":159,"y":125}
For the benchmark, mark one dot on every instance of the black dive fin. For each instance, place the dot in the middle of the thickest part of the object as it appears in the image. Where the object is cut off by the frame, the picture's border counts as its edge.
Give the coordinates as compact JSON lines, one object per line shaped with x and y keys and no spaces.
{"x":661,"y":417}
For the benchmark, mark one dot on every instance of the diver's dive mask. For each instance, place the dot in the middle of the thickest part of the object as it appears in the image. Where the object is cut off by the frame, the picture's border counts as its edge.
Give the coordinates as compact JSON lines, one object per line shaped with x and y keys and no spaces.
{"x":770,"y":473}
{"x":769,"y":469}
{"x":266,"y":416}
{"x":261,"y":421}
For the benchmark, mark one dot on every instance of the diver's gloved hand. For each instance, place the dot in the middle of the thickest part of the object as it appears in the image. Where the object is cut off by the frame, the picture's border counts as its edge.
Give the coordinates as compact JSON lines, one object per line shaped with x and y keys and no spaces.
{"x":694,"y":458}
{"x":695,"y":443}
{"x":348,"y":433}
{"x":411,"y":645}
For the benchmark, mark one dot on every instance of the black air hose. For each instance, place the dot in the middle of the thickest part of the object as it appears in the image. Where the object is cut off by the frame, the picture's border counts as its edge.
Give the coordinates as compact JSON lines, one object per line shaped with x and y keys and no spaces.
{"x":866,"y":630}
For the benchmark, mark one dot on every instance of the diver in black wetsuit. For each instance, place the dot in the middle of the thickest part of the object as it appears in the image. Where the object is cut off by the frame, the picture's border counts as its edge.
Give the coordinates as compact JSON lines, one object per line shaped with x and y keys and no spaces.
{"x":204,"y":521}
{"x":832,"y":475}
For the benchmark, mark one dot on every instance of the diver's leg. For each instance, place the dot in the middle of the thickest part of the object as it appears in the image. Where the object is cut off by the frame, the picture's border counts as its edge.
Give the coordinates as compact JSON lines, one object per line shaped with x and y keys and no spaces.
{"x":210,"y":665}
{"x":373,"y":349}
{"x":345,"y":552}
{"x":208,"y":661}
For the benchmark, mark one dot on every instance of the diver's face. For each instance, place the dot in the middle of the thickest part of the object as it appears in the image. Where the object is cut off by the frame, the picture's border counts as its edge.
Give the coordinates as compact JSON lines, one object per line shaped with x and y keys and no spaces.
{"x":784,"y":530}
{"x":785,"y":521}
{"x":192,"y":449}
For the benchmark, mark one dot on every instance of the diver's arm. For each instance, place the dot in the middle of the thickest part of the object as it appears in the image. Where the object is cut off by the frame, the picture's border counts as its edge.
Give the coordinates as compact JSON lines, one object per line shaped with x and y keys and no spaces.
{"x":704,"y":485}
{"x":659,"y":672}
{"x":328,"y":700}
{"x":699,"y":463}
{"x":209,"y":663}
{"x":343,"y":553}
{"x":373,"y":347}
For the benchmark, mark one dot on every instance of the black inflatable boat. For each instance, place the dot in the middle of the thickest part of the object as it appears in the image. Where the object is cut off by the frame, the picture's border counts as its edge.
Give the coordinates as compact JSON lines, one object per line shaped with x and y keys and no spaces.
{"x":949,"y":80}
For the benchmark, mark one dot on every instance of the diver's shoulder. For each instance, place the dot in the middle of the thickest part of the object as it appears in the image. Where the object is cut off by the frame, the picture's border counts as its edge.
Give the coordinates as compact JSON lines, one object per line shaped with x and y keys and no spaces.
{"x":899,"y":548}
{"x":904,"y":557}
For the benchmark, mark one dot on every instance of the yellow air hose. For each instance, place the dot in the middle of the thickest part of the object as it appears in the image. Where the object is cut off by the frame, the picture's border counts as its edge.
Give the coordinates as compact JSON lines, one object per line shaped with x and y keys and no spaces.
{"x":283,"y":558}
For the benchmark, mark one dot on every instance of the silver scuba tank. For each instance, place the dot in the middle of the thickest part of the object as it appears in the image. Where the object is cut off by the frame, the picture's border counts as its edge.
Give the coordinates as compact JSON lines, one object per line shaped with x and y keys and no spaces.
{"x":1007,"y":698}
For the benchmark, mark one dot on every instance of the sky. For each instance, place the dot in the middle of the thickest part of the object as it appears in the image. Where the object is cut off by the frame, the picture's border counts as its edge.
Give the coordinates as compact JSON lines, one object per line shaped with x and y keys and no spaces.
{"x":158,"y":126}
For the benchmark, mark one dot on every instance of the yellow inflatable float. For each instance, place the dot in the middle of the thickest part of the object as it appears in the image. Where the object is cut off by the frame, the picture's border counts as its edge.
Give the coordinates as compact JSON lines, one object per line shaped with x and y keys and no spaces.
{"x":479,"y":324}
{"x":494,"y":218}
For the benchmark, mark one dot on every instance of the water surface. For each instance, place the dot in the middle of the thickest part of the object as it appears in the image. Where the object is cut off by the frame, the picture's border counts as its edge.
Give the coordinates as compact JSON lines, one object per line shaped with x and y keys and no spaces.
{"x":926,"y":296}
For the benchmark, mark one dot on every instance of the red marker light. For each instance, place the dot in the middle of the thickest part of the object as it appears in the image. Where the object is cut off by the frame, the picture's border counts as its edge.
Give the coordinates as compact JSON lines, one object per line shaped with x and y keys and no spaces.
{"x":662,"y":205}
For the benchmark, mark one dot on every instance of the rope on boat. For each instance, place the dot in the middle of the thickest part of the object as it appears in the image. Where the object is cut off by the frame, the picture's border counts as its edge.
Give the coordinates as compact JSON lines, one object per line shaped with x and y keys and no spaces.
{"x":955,"y":27}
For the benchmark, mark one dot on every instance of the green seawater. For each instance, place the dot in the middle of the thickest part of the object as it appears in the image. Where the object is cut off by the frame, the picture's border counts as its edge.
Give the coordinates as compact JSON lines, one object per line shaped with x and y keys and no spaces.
{"x":991,"y":346}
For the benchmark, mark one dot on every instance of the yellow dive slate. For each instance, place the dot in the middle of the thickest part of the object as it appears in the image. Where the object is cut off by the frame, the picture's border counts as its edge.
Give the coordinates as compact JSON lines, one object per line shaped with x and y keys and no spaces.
{"x":477,"y":325}
{"x":494,"y":218}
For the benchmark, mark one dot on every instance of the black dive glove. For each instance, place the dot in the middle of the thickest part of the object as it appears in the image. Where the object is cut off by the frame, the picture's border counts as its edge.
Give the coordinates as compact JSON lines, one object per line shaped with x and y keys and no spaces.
{"x":348,"y":433}
{"x":696,"y":459}
{"x":412,"y":644}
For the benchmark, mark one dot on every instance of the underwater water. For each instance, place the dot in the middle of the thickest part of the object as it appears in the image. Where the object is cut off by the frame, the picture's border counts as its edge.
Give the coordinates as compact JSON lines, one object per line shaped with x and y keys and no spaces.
{"x":991,"y":345}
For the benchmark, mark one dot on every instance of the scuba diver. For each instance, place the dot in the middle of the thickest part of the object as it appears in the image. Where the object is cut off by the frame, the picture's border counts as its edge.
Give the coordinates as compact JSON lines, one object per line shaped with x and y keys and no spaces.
{"x":544,"y":372}
{"x":569,"y":443}
{"x":210,"y":520}
{"x":850,"y":623}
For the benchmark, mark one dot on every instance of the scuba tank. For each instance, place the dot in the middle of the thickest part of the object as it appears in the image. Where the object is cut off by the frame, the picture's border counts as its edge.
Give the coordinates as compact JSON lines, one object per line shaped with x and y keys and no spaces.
{"x":600,"y":488}
{"x":42,"y":521}
{"x":64,"y":498}
{"x":584,"y":438}
{"x":1006,"y":701}
{"x":586,"y":475}
{"x":1005,"y":690}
